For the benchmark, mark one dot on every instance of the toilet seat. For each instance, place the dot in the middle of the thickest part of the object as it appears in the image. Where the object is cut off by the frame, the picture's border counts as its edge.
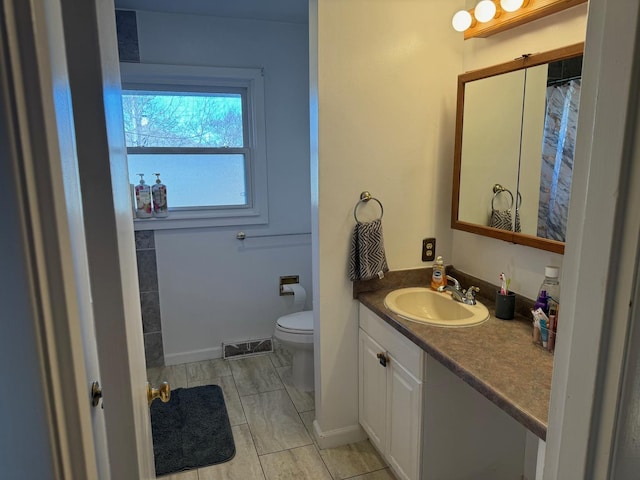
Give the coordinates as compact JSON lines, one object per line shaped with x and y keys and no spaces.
{"x":296,"y":323}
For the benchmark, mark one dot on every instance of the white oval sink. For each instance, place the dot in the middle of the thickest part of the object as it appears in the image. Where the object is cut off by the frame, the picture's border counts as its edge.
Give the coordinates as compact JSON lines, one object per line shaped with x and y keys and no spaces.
{"x":424,"y":305}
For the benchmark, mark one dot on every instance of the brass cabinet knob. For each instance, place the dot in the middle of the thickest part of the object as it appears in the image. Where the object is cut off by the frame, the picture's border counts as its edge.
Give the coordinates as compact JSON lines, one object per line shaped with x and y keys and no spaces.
{"x":383,"y":358}
{"x":163,"y":393}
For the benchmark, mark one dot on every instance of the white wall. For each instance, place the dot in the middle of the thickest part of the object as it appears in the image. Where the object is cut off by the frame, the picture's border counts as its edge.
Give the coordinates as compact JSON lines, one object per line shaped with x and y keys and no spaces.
{"x":486,"y":257}
{"x":386,"y":86}
{"x":214,"y":288}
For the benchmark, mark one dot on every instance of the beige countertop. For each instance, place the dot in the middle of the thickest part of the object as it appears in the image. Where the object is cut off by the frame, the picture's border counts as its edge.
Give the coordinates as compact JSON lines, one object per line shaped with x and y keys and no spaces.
{"x":497,"y":358}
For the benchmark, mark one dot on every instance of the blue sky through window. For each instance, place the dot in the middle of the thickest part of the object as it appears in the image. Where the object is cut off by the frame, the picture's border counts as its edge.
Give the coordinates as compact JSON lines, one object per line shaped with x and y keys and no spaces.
{"x":170,"y":119}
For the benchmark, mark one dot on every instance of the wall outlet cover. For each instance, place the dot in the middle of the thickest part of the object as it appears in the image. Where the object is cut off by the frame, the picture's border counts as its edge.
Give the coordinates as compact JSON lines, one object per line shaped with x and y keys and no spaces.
{"x":428,"y":249}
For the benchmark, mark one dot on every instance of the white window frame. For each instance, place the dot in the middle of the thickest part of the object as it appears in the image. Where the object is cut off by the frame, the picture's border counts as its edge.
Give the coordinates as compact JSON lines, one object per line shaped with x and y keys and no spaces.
{"x":144,"y":76}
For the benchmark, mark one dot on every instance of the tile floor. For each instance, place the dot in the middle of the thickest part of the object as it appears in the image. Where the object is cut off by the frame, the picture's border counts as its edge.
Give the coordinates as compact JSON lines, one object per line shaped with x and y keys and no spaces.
{"x":271,"y":422}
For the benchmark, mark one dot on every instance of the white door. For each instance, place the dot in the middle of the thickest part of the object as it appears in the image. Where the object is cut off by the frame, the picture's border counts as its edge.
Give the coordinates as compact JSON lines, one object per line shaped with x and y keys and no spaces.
{"x":404,"y":422}
{"x":78,"y":233}
{"x":94,"y":78}
{"x":372,"y":390}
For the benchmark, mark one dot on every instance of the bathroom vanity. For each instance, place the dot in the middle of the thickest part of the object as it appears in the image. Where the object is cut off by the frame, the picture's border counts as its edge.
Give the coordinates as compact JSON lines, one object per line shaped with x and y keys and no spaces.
{"x":450,"y":402}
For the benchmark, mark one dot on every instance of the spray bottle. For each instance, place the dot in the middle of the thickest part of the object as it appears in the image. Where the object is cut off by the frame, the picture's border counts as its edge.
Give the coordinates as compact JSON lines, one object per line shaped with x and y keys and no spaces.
{"x":143,"y":199}
{"x":160,"y":207}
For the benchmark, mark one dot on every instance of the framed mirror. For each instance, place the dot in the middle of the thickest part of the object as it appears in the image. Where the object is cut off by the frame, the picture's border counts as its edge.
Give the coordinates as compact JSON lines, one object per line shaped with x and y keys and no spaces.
{"x":515,"y":136}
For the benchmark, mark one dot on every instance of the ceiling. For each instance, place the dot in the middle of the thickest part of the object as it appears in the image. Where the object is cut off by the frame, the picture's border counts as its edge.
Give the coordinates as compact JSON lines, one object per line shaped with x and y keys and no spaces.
{"x":293,"y":11}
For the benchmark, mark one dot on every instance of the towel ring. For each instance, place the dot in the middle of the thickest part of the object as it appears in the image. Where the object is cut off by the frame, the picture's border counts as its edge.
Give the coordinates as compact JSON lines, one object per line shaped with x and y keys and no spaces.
{"x":364,"y":198}
{"x":497,"y":190}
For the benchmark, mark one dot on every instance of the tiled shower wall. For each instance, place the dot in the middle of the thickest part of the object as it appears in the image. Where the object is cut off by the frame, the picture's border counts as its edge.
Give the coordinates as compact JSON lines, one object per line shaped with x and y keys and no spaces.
{"x":149,"y":297}
{"x":127,"y":29}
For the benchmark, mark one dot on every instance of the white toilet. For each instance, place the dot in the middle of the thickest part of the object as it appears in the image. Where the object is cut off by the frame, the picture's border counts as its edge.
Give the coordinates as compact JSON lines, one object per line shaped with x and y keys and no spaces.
{"x":295,"y":332}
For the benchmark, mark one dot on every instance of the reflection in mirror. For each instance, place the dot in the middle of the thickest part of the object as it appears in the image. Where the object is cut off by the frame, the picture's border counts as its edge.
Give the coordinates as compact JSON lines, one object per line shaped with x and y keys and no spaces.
{"x":515,"y":139}
{"x":558,"y":145}
{"x":490,"y":148}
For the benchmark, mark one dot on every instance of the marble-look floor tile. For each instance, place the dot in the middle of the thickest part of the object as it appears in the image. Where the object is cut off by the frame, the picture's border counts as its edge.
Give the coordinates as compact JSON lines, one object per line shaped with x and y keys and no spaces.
{"x":231,"y":397}
{"x":244,"y":466}
{"x":176,"y":375}
{"x":274,"y":422}
{"x":207,"y":370}
{"x":385,"y":474}
{"x":255,"y":375}
{"x":303,"y":401}
{"x":189,"y":475}
{"x":297,"y":463}
{"x":351,"y":460}
{"x":378,"y":475}
{"x":281,"y":357}
{"x":307,"y":419}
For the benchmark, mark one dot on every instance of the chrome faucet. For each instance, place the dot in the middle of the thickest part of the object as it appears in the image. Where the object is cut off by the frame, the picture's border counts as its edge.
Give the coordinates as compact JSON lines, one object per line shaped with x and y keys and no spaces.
{"x":456,"y":283}
{"x":467,"y":296}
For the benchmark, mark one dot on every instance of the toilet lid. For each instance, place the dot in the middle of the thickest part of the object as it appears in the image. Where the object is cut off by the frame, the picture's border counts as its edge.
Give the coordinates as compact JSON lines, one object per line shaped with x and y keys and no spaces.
{"x":301,"y":322}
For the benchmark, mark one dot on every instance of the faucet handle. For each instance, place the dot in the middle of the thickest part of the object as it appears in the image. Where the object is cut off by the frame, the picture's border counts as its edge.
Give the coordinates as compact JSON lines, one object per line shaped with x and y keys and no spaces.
{"x":470,"y":294}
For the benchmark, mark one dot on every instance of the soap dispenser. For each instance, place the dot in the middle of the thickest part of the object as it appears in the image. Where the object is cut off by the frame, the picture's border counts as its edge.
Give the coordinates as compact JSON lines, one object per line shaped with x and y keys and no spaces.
{"x":438,"y":277}
{"x":159,"y":191}
{"x":143,"y":199}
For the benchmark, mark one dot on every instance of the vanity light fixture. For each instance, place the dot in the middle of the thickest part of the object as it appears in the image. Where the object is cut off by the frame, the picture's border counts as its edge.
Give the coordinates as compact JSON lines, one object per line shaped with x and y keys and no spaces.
{"x":462,"y":20}
{"x":494,"y":16}
{"x":512,"y":5}
{"x":485,"y":11}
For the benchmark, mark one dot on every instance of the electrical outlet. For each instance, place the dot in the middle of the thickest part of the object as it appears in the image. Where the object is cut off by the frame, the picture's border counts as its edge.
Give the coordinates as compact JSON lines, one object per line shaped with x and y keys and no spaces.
{"x":428,"y":249}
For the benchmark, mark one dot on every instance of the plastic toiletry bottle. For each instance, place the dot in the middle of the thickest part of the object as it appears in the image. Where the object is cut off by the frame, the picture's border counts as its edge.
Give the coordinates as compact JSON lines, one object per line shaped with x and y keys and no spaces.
{"x":143,"y":199}
{"x":541,"y":302}
{"x":551,"y":286}
{"x":438,"y":277}
{"x":159,"y":191}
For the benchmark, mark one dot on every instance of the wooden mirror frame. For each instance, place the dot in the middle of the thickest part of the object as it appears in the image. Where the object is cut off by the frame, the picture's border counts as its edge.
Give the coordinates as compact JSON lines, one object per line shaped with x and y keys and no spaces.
{"x":525,"y":61}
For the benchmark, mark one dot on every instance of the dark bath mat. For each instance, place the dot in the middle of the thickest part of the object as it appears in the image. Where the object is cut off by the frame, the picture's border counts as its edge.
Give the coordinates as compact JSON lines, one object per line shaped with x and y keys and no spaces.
{"x":192,"y":430}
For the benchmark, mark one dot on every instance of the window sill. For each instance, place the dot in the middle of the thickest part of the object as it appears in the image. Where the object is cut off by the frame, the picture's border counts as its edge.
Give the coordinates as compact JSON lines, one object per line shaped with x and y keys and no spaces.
{"x":195,"y":219}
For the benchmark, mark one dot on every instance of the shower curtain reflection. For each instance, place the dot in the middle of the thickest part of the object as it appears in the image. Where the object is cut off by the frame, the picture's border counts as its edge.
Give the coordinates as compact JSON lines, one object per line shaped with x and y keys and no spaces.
{"x":558,"y":146}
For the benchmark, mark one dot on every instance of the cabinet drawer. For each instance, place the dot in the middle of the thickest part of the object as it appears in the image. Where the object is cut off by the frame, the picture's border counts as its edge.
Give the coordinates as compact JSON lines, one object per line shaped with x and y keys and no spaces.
{"x":403,"y":349}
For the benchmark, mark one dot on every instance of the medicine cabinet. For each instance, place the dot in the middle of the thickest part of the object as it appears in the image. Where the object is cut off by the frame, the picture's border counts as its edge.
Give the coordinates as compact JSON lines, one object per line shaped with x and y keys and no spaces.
{"x":516,"y":127}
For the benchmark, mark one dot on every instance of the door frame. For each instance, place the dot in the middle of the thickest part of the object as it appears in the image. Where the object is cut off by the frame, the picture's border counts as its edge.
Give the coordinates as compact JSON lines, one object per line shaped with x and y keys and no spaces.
{"x":600,"y":256}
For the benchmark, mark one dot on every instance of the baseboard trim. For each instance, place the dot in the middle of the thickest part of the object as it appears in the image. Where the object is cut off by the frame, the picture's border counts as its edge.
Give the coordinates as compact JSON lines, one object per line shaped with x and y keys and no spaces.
{"x":339,"y":436}
{"x":192,"y":356}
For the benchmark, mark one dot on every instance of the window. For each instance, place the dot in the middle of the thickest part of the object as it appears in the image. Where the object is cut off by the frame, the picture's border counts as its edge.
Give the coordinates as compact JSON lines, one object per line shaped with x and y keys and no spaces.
{"x":202,"y":129}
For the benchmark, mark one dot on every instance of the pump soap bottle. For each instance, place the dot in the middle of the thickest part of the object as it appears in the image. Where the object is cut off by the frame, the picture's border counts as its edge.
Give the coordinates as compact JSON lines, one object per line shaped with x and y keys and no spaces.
{"x":159,"y":190}
{"x":438,"y":277}
{"x":143,"y":199}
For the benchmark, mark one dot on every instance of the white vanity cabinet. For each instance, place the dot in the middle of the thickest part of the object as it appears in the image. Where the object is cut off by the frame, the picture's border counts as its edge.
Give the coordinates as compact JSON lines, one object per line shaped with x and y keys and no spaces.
{"x":391,"y":393}
{"x":428,"y":423}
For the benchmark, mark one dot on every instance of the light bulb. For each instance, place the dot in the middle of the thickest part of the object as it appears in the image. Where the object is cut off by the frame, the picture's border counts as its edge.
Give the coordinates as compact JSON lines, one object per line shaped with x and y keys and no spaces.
{"x":511,"y":5}
{"x":485,"y":11}
{"x":461,"y":21}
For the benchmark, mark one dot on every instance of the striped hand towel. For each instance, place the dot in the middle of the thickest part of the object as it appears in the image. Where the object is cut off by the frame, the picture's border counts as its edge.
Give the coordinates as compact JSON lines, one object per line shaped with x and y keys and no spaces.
{"x":367,"y":258}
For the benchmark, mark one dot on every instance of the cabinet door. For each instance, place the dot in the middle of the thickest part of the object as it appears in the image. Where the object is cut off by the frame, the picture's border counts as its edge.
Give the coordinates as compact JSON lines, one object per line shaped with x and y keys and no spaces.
{"x":372,"y":391}
{"x":404,"y":421}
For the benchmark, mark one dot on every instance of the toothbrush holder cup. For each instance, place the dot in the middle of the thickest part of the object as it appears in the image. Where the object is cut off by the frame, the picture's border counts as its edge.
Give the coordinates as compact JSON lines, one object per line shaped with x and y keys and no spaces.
{"x":505,"y":305}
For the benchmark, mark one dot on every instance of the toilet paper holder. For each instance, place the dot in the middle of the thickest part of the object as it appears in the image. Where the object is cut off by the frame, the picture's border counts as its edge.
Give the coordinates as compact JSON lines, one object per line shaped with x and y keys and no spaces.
{"x":288,"y":280}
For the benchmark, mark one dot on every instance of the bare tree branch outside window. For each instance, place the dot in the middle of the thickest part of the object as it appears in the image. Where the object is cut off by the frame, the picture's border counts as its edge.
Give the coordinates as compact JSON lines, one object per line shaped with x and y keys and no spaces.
{"x":159,"y":119}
